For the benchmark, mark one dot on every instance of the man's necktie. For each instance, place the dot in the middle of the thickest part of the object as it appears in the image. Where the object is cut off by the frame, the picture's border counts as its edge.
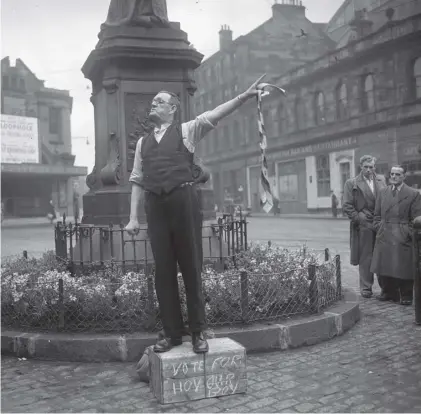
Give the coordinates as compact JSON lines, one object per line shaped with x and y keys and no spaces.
{"x":394,"y":190}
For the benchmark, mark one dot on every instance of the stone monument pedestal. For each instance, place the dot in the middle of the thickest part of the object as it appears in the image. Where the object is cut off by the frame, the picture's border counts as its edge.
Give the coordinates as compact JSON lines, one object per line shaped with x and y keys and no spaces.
{"x":181,"y":375}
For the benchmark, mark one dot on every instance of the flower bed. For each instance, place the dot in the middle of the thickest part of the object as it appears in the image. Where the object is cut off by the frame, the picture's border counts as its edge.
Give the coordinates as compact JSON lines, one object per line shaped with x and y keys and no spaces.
{"x":264,"y":283}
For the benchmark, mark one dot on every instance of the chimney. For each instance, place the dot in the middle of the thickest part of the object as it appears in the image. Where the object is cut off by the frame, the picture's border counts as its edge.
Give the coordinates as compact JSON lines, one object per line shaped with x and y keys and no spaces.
{"x":291,"y":9}
{"x":225,"y":38}
{"x":361,"y":24}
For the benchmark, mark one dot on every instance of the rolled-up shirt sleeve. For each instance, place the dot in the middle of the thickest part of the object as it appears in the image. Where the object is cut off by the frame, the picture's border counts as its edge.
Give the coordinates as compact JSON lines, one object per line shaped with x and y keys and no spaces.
{"x":136,"y":175}
{"x":194,"y":131}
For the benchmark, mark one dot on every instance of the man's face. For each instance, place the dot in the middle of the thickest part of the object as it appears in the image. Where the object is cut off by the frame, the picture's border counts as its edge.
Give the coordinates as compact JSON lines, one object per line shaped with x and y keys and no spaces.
{"x":161,"y":108}
{"x":396,"y":176}
{"x":368,"y":169}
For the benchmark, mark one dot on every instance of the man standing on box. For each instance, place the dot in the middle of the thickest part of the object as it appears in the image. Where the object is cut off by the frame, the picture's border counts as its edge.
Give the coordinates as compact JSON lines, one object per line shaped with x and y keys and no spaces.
{"x":163,"y":176}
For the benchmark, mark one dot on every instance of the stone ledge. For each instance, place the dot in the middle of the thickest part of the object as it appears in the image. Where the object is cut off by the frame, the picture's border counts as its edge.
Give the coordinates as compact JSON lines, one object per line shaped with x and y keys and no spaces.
{"x":293,"y":333}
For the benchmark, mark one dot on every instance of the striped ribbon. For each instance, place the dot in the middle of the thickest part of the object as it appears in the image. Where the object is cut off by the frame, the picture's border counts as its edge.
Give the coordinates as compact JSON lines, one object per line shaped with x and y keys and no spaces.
{"x":266,"y":197}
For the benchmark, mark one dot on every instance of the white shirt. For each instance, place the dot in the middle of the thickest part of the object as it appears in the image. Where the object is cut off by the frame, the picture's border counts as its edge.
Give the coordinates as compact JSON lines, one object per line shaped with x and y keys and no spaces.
{"x":370,"y":184}
{"x":192,"y":131}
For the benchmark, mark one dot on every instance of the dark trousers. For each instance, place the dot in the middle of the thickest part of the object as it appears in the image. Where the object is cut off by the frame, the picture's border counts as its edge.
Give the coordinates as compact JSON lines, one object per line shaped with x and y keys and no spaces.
{"x":397,"y":288}
{"x":366,"y":240}
{"x":175,"y":231}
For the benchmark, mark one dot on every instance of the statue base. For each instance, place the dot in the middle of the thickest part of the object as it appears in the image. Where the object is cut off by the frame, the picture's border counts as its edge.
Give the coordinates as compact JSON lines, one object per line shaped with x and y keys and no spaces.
{"x":181,"y":375}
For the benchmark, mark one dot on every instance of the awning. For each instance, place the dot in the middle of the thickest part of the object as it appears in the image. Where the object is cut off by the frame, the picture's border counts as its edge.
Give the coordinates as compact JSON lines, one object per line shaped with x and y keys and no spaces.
{"x":44,"y":169}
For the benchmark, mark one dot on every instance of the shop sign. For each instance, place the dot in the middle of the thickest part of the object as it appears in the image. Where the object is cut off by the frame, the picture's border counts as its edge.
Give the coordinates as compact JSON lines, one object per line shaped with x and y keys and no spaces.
{"x":327,"y":146}
{"x":19,"y":139}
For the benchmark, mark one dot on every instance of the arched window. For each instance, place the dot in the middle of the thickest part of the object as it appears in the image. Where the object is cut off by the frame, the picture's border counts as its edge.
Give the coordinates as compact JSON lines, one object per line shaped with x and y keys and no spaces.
{"x":368,"y":93}
{"x":320,"y":109}
{"x":341,"y":101}
{"x":417,"y":77}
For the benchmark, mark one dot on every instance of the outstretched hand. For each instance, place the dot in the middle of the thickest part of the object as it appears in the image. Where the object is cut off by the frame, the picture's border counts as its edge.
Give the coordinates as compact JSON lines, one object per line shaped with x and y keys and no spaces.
{"x":254,"y":89}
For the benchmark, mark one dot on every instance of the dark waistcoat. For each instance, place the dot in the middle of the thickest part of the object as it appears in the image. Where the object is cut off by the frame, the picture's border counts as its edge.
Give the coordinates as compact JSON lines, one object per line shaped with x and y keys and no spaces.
{"x":167,"y":164}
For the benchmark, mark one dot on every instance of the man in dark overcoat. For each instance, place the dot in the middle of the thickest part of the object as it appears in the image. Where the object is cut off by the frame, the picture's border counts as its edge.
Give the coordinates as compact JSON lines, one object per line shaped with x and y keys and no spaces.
{"x":358,"y":205}
{"x":396,"y":208}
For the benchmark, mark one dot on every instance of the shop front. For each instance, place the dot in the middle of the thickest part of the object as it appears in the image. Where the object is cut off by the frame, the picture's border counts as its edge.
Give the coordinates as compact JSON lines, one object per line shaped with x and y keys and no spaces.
{"x":26,"y":189}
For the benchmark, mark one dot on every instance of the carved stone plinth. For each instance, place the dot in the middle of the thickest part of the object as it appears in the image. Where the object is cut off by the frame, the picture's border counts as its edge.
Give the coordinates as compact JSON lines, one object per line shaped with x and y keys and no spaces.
{"x":181,"y":375}
{"x":128,"y":67}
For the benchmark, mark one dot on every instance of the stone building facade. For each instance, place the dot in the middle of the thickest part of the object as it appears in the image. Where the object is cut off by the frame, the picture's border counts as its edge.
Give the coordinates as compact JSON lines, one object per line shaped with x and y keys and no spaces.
{"x":275,"y":46}
{"x":27,"y":188}
{"x":362,"y":97}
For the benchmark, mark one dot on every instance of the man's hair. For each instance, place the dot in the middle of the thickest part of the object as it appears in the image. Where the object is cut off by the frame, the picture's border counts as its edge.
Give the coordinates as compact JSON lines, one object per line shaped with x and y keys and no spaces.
{"x":174,"y":100}
{"x":402,"y":167}
{"x":367,"y":158}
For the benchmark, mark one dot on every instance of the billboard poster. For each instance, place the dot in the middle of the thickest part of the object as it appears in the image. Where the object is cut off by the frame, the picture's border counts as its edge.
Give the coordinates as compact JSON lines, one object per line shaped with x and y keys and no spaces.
{"x":19,"y":139}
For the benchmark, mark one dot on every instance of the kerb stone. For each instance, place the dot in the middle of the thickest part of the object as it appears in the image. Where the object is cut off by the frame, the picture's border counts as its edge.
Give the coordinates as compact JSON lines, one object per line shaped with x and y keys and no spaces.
{"x":181,"y":375}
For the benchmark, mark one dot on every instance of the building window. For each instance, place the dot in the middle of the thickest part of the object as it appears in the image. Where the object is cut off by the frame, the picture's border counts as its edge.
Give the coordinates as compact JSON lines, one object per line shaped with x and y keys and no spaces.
{"x":55,"y":121}
{"x":299,"y":114}
{"x":5,"y":82}
{"x":368,"y":93}
{"x":253,"y":135}
{"x":341,"y":101}
{"x":236,"y":135}
{"x":323,"y":175}
{"x":216,"y":145}
{"x":345,"y":172}
{"x":281,"y":119}
{"x":320,"y":109}
{"x":417,"y":78}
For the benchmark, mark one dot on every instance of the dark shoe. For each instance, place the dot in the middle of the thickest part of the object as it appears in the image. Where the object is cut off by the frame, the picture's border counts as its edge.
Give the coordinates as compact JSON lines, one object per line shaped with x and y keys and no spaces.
{"x":384,"y":297}
{"x":165,"y":344}
{"x":366,"y":294}
{"x":200,"y":345}
{"x":406,"y":301}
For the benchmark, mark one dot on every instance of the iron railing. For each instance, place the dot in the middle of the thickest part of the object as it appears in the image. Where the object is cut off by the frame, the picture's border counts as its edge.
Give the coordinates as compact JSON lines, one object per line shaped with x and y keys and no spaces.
{"x":84,"y":245}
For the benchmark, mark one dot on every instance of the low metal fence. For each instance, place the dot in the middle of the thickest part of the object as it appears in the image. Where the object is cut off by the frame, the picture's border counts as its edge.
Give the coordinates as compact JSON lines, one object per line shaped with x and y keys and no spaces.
{"x":114,"y":300}
{"x":82,"y":245}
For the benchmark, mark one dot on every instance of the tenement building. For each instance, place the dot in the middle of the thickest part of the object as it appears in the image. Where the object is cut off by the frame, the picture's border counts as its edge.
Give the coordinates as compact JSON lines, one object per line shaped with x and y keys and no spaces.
{"x":288,"y":39}
{"x":361,"y":97}
{"x":36,"y":163}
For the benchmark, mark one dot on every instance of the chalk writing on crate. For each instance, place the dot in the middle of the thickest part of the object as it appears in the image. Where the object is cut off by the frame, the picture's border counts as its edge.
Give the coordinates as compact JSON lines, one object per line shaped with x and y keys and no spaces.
{"x":217,"y":383}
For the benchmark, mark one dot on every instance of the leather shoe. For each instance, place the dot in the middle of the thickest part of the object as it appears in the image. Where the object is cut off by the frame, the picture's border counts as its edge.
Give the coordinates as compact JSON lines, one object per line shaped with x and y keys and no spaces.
{"x":406,"y":302}
{"x":384,"y":297}
{"x":366,"y":294}
{"x":200,"y":345}
{"x":165,"y":344}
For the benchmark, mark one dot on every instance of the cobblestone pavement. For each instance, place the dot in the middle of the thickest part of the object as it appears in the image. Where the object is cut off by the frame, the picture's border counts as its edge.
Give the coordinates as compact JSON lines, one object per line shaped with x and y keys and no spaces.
{"x":375,"y":367}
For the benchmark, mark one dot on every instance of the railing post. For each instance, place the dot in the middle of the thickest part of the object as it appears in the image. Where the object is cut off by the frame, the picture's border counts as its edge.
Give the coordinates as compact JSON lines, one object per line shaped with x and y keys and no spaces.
{"x":338,"y":276}
{"x":417,"y":268}
{"x":61,"y":304}
{"x":61,"y":240}
{"x":244,"y":286}
{"x":313,"y":291}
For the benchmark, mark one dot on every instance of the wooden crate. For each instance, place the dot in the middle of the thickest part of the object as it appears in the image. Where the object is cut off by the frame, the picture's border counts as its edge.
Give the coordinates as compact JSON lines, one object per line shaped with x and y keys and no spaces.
{"x":181,"y":375}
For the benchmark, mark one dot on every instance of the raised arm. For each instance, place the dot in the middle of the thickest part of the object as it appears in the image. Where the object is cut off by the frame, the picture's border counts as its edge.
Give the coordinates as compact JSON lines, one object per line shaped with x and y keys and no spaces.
{"x":223,"y":110}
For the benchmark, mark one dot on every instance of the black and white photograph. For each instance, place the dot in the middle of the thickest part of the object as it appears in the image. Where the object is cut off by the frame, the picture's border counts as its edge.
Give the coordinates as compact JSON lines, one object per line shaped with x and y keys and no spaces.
{"x":210,"y":206}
